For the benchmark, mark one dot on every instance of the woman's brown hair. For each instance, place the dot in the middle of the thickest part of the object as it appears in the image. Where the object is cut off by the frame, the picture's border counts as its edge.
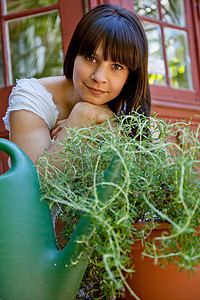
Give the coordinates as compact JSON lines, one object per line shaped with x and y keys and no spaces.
{"x":123,"y":40}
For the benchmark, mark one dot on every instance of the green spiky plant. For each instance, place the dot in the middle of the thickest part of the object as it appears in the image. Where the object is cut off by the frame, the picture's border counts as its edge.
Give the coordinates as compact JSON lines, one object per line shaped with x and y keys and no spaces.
{"x":159,"y":183}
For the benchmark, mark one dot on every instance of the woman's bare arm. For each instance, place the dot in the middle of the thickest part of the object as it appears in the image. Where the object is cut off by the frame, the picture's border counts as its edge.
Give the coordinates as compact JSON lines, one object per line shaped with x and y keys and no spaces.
{"x":32,"y":135}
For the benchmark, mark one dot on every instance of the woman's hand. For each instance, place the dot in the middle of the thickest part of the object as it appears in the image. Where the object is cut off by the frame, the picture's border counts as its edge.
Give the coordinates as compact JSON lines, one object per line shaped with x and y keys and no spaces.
{"x":58,"y":128}
{"x":82,"y":114}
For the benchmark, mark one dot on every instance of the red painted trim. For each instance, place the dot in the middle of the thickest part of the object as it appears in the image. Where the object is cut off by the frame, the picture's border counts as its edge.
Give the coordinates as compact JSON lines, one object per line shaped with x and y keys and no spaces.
{"x":179,"y":94}
{"x":128,"y":4}
{"x":3,"y":162}
{"x":176,"y":105}
{"x":6,"y":17}
{"x":32,"y":11}
{"x":193,"y":46}
{"x":165,"y":56}
{"x":4,"y":134}
{"x":195,"y":7}
{"x":122,"y":3}
{"x":5,"y":54}
{"x":173,"y":113}
{"x":192,"y":50}
{"x":70,"y":15}
{"x":4,"y":94}
{"x":165,"y":24}
{"x":4,"y":45}
{"x":94,"y":3}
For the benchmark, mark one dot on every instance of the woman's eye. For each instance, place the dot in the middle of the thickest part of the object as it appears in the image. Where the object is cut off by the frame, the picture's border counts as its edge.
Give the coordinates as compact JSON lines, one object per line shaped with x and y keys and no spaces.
{"x":117,"y":67}
{"x":91,"y":58}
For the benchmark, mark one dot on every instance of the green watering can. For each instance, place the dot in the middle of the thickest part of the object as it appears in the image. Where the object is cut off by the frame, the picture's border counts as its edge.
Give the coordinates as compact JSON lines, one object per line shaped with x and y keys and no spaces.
{"x":31,"y":266}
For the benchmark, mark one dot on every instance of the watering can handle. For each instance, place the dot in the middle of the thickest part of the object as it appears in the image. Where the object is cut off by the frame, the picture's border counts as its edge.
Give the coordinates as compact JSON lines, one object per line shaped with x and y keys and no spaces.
{"x":18,"y":158}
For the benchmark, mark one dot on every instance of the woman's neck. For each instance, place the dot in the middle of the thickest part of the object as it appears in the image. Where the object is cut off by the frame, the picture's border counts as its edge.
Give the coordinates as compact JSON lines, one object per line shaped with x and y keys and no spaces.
{"x":63,"y":92}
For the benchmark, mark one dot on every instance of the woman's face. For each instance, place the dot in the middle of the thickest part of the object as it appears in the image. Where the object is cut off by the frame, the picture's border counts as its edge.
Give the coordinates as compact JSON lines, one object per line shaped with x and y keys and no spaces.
{"x":97,"y":80}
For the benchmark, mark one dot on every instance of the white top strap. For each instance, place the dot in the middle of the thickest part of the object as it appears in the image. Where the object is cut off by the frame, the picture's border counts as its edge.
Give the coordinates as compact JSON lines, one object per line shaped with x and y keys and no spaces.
{"x":29,"y":94}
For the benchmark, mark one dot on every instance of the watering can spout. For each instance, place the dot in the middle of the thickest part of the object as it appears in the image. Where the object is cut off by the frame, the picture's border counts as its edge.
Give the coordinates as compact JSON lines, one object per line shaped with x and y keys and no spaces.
{"x":31,"y":266}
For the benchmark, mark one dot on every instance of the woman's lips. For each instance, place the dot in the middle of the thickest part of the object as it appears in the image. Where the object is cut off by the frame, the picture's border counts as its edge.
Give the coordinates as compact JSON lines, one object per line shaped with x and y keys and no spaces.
{"x":95,"y":91}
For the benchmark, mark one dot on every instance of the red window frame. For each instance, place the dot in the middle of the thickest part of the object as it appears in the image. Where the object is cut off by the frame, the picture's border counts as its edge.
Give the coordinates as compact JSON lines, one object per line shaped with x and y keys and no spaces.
{"x":170,"y":102}
{"x":70,"y":14}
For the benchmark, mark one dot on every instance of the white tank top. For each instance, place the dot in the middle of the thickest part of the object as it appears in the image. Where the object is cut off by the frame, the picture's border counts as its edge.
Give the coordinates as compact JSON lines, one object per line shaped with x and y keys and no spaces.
{"x":29,"y":94}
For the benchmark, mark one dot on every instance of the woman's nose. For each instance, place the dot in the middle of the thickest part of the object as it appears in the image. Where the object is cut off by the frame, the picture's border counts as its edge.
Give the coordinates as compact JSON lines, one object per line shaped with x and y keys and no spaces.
{"x":100,"y":74}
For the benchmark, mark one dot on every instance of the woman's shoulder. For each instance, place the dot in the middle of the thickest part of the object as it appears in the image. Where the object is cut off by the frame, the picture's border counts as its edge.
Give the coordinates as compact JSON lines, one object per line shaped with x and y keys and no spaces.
{"x":31,"y":95}
{"x":29,"y":88}
{"x":53,"y":88}
{"x":25,"y":83}
{"x":46,"y":83}
{"x":56,"y":85}
{"x":28,"y":85}
{"x":60,"y":87}
{"x":52,"y":80}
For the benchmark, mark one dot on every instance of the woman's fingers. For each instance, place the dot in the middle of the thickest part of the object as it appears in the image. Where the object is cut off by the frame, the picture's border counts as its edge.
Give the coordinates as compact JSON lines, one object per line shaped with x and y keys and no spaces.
{"x":58,"y":128}
{"x":83,"y":114}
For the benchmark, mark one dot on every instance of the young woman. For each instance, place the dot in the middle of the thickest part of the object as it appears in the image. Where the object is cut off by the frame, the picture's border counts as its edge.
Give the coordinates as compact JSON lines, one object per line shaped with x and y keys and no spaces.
{"x":105,"y":74}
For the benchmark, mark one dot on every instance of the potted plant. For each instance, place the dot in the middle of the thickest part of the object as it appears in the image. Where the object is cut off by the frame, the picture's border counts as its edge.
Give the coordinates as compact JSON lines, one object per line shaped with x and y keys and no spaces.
{"x":159,"y":184}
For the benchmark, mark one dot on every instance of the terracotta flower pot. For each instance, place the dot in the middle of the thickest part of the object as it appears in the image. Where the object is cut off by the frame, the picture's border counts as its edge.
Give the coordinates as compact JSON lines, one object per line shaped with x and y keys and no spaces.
{"x":151,"y":282}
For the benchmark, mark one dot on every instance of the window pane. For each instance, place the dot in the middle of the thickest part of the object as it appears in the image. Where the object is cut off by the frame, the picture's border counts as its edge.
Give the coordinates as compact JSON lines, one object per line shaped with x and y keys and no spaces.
{"x":1,"y":65}
{"x":178,"y":58}
{"x":156,"y":66}
{"x":147,"y":8}
{"x":173,"y":11}
{"x":36,"y":46}
{"x":14,"y":6}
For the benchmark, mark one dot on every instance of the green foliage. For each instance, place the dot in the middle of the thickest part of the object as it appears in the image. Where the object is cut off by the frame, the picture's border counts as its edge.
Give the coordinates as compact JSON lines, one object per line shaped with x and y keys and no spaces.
{"x":36,"y":46}
{"x":159,"y":183}
{"x":14,"y":6}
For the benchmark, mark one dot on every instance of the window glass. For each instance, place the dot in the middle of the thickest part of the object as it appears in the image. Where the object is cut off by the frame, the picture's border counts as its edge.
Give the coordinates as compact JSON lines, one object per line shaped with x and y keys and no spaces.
{"x":156,"y":65}
{"x":1,"y":65}
{"x":178,"y":58}
{"x":147,"y":8}
{"x":36,"y":46}
{"x":173,"y":11}
{"x":13,"y":6}
{"x":173,"y":40}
